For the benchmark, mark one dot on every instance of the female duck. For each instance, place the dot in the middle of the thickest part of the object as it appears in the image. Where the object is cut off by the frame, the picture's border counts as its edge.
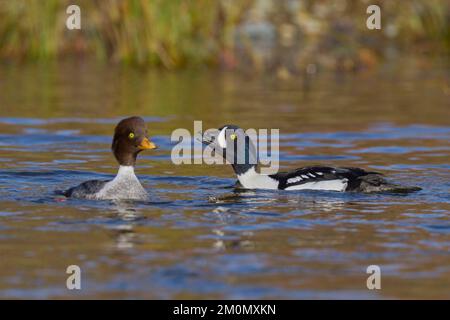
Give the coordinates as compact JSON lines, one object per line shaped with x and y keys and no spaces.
{"x":130,"y":138}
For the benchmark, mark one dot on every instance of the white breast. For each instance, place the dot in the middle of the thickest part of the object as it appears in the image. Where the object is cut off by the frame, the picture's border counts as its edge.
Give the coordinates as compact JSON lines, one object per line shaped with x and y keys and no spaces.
{"x":124,"y":186}
{"x":253,"y":180}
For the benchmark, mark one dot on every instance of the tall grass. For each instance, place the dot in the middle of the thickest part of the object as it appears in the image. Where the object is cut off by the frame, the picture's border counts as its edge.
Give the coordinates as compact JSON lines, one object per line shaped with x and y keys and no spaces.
{"x":171,"y":33}
{"x":176,"y":33}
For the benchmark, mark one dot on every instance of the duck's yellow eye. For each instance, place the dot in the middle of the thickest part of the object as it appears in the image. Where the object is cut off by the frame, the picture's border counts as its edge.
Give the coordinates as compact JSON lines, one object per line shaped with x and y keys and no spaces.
{"x":233,"y":136}
{"x":131,"y":135}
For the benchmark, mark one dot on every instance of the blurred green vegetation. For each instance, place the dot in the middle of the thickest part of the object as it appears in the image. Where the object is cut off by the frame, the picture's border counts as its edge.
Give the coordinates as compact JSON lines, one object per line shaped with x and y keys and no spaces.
{"x":280,"y":35}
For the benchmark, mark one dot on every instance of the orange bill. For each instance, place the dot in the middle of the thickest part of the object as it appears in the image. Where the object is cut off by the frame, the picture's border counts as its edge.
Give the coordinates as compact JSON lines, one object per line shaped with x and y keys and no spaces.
{"x":147,"y":144}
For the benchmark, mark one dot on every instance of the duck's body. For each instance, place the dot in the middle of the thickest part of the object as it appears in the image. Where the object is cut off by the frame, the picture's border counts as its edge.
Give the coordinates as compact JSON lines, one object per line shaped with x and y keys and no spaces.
{"x":130,"y":138}
{"x":321,"y":178}
{"x":124,"y":186}
{"x":307,"y":178}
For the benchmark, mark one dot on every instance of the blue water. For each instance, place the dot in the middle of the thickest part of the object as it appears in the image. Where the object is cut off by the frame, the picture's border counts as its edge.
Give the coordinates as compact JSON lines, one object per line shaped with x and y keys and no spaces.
{"x":198,"y":237}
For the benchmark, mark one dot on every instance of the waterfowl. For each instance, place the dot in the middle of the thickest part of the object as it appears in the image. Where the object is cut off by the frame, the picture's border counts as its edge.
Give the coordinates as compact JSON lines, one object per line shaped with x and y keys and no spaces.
{"x":130,"y":138}
{"x":308,"y":178}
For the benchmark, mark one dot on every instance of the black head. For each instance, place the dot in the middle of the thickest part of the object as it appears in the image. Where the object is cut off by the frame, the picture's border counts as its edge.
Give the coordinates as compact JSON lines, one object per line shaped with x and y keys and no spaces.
{"x":235,"y":146}
{"x":130,"y":138}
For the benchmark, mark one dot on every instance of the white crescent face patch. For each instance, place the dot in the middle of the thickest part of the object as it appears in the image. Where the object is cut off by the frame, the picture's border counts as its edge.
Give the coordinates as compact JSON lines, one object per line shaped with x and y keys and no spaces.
{"x":221,"y":140}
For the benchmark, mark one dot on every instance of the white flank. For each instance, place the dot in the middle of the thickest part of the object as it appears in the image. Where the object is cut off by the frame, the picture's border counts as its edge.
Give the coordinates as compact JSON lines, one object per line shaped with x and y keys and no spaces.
{"x":331,"y":185}
{"x":124,"y":186}
{"x":253,"y":180}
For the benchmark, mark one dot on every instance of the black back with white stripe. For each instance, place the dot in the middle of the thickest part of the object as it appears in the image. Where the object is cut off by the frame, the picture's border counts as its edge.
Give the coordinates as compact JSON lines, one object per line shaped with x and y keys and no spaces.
{"x":353,"y":176}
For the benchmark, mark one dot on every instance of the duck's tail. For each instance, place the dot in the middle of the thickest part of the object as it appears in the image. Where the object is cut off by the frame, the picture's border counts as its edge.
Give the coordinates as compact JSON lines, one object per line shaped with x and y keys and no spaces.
{"x":377,"y":183}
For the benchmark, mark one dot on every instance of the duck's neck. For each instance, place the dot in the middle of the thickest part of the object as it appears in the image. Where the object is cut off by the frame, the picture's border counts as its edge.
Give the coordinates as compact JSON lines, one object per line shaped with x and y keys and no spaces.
{"x":244,"y":161}
{"x":126,"y":179}
{"x":126,"y":171}
{"x":243,"y":168}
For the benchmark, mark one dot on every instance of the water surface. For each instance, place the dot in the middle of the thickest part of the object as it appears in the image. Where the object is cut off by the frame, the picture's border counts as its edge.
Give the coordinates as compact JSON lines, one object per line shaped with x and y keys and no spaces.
{"x":198,"y":237}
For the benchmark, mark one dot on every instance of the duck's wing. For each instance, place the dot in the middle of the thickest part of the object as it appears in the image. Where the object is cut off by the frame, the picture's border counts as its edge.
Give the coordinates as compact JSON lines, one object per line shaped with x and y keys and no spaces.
{"x":85,"y":190}
{"x":325,"y":178}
